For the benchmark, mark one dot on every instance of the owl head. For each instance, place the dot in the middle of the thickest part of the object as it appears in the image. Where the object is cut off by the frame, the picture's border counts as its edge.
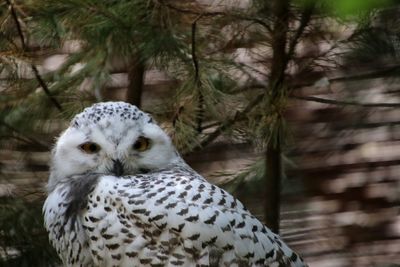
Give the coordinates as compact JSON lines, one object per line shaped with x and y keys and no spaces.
{"x":110,"y":138}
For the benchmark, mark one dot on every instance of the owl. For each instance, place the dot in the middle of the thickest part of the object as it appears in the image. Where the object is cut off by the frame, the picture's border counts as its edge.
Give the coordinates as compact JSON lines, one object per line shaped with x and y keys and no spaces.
{"x":120,"y":195}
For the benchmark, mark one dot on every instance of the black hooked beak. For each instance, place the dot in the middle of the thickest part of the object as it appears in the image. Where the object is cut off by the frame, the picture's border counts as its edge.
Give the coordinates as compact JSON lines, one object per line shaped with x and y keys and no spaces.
{"x":118,"y":168}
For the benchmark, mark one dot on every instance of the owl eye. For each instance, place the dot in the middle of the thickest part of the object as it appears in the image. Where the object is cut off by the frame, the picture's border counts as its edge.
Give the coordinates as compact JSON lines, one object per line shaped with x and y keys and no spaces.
{"x":141,"y":144}
{"x":89,"y":147}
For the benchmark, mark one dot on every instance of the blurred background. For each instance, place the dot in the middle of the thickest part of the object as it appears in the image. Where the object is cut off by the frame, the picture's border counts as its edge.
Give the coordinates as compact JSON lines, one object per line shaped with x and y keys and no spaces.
{"x":291,"y":105}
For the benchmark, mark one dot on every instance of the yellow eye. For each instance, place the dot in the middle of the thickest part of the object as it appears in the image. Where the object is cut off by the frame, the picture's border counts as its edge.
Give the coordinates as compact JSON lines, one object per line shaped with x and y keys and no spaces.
{"x":141,"y":144}
{"x":90,"y":147}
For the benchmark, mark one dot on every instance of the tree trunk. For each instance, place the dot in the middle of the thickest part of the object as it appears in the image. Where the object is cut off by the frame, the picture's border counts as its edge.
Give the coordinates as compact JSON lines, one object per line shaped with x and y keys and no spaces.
{"x":273,"y":186}
{"x":273,"y":176}
{"x":136,"y":71}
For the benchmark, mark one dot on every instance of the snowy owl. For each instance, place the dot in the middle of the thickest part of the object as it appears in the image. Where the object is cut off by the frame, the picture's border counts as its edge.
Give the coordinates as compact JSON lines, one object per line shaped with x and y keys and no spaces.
{"x":120,"y":195}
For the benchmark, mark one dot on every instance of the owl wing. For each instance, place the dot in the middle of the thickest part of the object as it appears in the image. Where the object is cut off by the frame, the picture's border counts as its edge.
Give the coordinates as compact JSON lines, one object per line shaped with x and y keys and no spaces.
{"x":63,"y":224}
{"x":170,"y":219}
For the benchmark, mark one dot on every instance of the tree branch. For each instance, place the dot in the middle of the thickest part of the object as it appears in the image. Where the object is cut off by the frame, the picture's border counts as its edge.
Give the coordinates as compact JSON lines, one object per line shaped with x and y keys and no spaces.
{"x":105,"y":13}
{"x":200,"y":107}
{"x":346,"y":103}
{"x":136,"y":73}
{"x":24,"y":138}
{"x":194,"y":56}
{"x":189,"y":11}
{"x":276,"y":89}
{"x":33,"y":67}
{"x":218,"y":13}
{"x":305,"y":19}
{"x":239,"y":115}
{"x":388,"y":71}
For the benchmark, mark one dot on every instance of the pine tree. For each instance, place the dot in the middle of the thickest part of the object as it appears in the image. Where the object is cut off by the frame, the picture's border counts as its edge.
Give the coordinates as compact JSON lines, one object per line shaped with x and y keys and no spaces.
{"x":218,"y":97}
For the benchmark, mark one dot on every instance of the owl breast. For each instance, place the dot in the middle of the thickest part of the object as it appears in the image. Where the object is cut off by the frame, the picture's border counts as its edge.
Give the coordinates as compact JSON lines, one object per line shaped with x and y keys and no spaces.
{"x":170,"y":217}
{"x":129,"y":223}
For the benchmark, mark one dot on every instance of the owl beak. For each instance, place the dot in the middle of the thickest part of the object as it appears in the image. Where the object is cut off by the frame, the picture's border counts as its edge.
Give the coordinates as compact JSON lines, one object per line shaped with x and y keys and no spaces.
{"x":118,"y":168}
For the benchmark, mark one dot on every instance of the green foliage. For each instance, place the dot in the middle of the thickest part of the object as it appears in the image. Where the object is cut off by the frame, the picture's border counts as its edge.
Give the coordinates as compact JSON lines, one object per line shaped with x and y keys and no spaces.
{"x":375,"y":45}
{"x":377,"y":42}
{"x":107,"y":31}
{"x":250,"y":179}
{"x":347,"y":9}
{"x":354,"y":7}
{"x":23,"y":240}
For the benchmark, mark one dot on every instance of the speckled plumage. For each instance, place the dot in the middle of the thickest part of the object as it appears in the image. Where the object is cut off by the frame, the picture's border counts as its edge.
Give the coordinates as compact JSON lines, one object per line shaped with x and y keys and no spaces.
{"x":158,"y":213}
